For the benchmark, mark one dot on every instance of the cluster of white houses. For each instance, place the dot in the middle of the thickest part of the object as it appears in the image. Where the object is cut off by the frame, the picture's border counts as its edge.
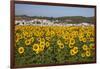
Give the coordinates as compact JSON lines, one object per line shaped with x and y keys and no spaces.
{"x":45,"y":22}
{"x":33,"y":22}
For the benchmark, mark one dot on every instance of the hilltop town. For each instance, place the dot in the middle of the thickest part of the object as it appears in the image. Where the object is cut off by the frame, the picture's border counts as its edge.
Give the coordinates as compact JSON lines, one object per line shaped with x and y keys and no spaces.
{"x":57,"y":21}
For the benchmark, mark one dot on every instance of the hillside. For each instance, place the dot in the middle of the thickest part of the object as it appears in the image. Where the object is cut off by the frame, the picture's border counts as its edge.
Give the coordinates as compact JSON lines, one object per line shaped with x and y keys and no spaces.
{"x":65,"y":19}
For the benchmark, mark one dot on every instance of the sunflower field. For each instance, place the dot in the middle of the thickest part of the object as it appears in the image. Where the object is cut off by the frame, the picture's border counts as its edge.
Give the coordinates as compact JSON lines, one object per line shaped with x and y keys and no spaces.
{"x":54,"y":44}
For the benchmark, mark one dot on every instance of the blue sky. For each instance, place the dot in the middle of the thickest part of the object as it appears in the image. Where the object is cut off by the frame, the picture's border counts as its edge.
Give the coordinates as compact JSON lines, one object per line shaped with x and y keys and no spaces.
{"x":52,"y":11}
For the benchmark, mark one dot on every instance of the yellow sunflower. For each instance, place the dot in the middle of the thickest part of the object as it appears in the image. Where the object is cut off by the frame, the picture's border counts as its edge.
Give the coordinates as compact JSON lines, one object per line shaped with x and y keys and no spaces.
{"x":66,"y":37}
{"x":41,"y":40}
{"x":75,"y":50}
{"x":21,"y":50}
{"x":85,"y":47}
{"x":59,"y":42}
{"x":25,"y":33}
{"x":48,"y":33}
{"x":42,"y":46}
{"x":42,"y":43}
{"x":36,"y":33}
{"x":72,"y":41}
{"x":48,"y":38}
{"x":87,"y":35}
{"x":47,"y":44}
{"x":88,"y":54}
{"x":80,"y":38}
{"x":92,"y":39}
{"x":52,"y":33}
{"x":84,"y":39}
{"x":20,"y":36}
{"x":72,"y":52}
{"x":71,"y":46}
{"x":28,"y":41}
{"x":41,"y":33}
{"x":35,"y":47}
{"x":66,"y":41}
{"x":61,"y":46}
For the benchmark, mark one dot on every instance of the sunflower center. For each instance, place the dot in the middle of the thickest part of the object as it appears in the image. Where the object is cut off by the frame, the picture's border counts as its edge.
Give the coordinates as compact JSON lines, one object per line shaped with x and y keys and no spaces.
{"x":35,"y":47}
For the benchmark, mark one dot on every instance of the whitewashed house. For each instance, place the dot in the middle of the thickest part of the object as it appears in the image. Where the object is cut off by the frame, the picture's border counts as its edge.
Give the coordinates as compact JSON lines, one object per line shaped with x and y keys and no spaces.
{"x":19,"y":22}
